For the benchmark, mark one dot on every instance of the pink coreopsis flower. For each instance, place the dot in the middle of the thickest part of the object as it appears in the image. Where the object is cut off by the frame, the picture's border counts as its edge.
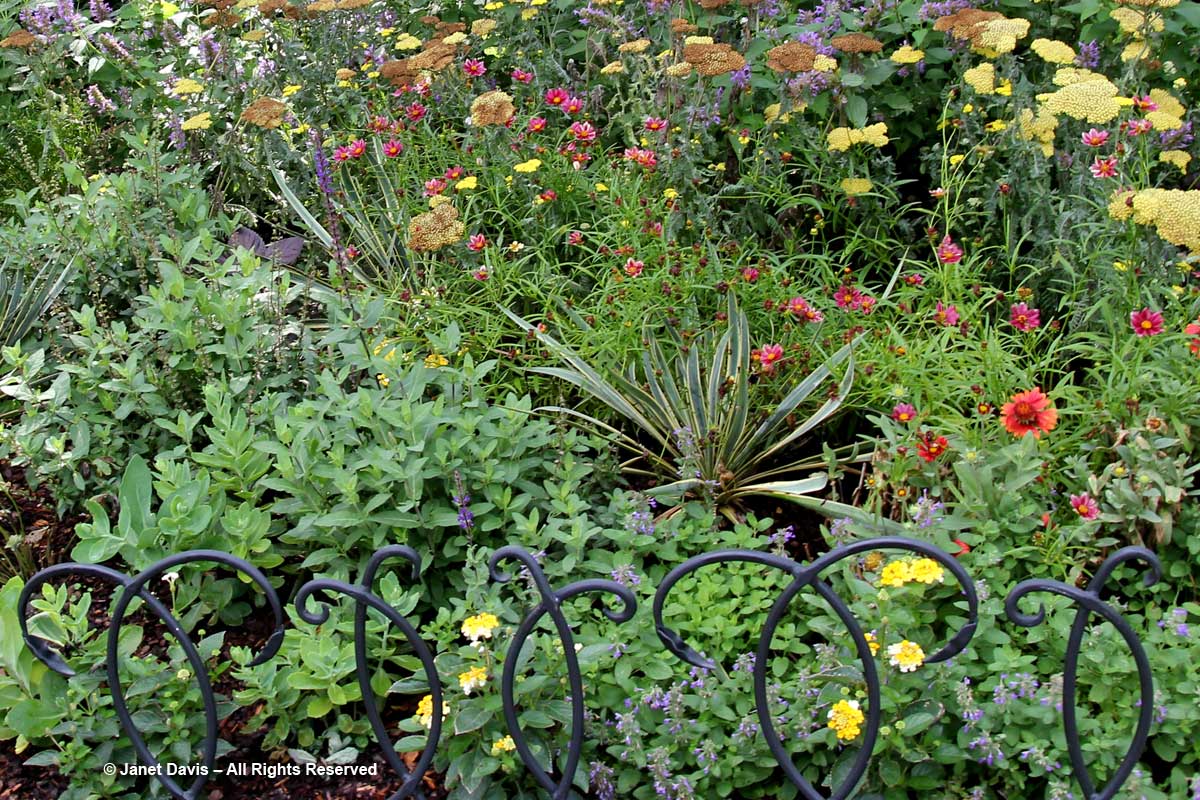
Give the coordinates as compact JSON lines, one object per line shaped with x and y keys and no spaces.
{"x":454,"y":173}
{"x":633,"y":267}
{"x":750,"y":274}
{"x":341,"y":154}
{"x":583,"y":131}
{"x":357,"y":148}
{"x":1024,"y":318}
{"x":480,"y":274}
{"x":654,"y":124}
{"x":521,"y":76}
{"x":848,"y":297}
{"x":1137,"y":127}
{"x":904,"y":412}
{"x":573,"y":105}
{"x":415,"y":112}
{"x":575,"y":238}
{"x":948,"y":252}
{"x":945,"y":315}
{"x":1144,"y":103}
{"x":477,"y":242}
{"x":393,"y":148}
{"x":434,"y":186}
{"x":536,"y":125}
{"x":1146,"y":322}
{"x":1104,"y":167}
{"x":767,"y":356}
{"x":1085,"y":506}
{"x":1095,"y":138}
{"x":474,"y":67}
{"x":556,"y":96}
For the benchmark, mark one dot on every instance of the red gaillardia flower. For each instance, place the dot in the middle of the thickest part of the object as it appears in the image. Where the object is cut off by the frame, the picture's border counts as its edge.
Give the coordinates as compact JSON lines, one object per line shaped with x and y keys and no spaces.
{"x":929,"y":447}
{"x":1146,"y":322}
{"x":1085,"y":506}
{"x":1029,"y":412}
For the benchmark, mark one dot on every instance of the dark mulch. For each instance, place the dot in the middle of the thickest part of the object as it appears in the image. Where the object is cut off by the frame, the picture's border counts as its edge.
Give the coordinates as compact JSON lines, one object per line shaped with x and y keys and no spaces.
{"x":18,"y":782}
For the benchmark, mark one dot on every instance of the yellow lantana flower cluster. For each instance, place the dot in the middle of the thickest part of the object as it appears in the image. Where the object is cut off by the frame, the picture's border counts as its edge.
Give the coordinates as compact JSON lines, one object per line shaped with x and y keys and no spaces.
{"x":472,"y":679}
{"x":906,"y":655}
{"x":424,"y":713}
{"x":846,"y":719}
{"x":480,"y":626}
{"x":504,"y":745}
{"x":842,"y":139}
{"x":1053,"y":51}
{"x":908,"y":570}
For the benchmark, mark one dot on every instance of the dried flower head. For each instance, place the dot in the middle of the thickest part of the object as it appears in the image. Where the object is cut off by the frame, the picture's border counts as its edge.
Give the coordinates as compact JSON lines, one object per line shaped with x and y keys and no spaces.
{"x":435,"y":229}
{"x":791,"y":57}
{"x":856,"y":43}
{"x":492,"y":108}
{"x":20,"y":39}
{"x":681,"y":27}
{"x":713,"y":59}
{"x":265,"y":113}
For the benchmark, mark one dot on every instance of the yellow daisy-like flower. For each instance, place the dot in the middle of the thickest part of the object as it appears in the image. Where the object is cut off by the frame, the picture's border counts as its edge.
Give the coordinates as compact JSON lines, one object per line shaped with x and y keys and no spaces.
{"x":291,"y":89}
{"x":466,"y":184}
{"x":200,"y":122}
{"x":846,"y":719}
{"x":186,"y":86}
{"x":906,"y":655}
{"x":872,"y":642}
{"x":907,"y":55}
{"x":493,"y":6}
{"x":1178,"y":158}
{"x":856,"y":186}
{"x":504,"y":745}
{"x":926,"y":570}
{"x":996,"y":125}
{"x":424,"y":713}
{"x":1004,"y":88}
{"x":981,"y":78}
{"x":479,"y":626}
{"x":434,"y":361}
{"x":896,"y":574}
{"x":956,"y":159}
{"x":670,"y":193}
{"x":528,"y":166}
{"x":1053,"y":51}
{"x":384,"y":380}
{"x":472,"y":679}
{"x":601,"y":187}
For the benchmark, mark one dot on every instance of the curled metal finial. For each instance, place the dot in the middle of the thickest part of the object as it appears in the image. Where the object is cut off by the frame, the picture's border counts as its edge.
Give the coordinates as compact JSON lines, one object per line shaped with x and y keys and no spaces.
{"x":364,"y":597}
{"x":551,"y":603}
{"x":805,"y":575}
{"x":135,"y":587}
{"x":1089,"y":603}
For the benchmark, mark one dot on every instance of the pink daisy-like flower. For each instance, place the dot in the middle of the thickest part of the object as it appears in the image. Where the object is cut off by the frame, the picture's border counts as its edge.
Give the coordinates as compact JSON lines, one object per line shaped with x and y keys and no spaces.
{"x":573,"y":105}
{"x":357,"y":148}
{"x":521,"y":76}
{"x":654,"y":124}
{"x":945,"y":315}
{"x":1136,"y":127}
{"x":1104,"y":167}
{"x":750,"y":274}
{"x":948,"y":252}
{"x":1144,"y":103}
{"x":1024,"y":318}
{"x":848,"y":297}
{"x":477,"y":242}
{"x":767,"y":356}
{"x":904,"y":412}
{"x":633,"y":267}
{"x":434,"y":186}
{"x":536,"y":125}
{"x":341,"y":154}
{"x":583,"y":131}
{"x":474,"y":67}
{"x":1146,"y":322}
{"x":556,"y":96}
{"x":1085,"y":506}
{"x":575,"y":238}
{"x":454,"y":173}
{"x":415,"y":112}
{"x":480,"y":274}
{"x":1095,"y":138}
{"x":393,"y":148}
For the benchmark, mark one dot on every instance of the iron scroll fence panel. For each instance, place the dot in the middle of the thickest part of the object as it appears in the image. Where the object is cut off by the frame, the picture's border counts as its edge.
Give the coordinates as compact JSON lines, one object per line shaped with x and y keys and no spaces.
{"x":315,"y":600}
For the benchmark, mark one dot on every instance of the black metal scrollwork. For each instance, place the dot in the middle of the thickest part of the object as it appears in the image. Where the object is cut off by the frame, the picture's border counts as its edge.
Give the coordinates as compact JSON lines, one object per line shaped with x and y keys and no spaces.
{"x":363,"y":597}
{"x":804,"y":575}
{"x":551,"y":603}
{"x":131,"y":588}
{"x":1089,"y":603}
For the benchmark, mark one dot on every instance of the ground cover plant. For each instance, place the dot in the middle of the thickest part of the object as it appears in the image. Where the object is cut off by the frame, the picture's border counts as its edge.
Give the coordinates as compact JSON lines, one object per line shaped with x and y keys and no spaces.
{"x":621,"y":282}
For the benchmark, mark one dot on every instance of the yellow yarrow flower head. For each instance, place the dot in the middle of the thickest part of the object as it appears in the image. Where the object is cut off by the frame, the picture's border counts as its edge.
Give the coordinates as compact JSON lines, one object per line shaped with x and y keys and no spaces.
{"x":846,"y":719}
{"x":1053,"y":51}
{"x":906,"y":655}
{"x":200,"y":122}
{"x":981,"y":78}
{"x":504,"y":745}
{"x":455,"y":38}
{"x":469,"y":182}
{"x":185,"y":86}
{"x":823,"y":63}
{"x":896,"y":574}
{"x":480,"y":627}
{"x":1178,"y":158}
{"x":528,"y":166}
{"x":612,"y":68}
{"x":1091,"y":100}
{"x":670,"y":193}
{"x":472,"y":679}
{"x":406,"y":41}
{"x":927,"y":571}
{"x":842,"y":139}
{"x":999,"y":36}
{"x":856,"y":186}
{"x":424,"y":713}
{"x":907,"y":55}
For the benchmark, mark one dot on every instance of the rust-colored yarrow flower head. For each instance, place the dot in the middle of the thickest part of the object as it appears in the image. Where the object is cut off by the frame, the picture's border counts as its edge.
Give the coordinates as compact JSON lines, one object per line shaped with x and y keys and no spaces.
{"x":856,"y":43}
{"x":791,"y":57}
{"x":1029,"y":412}
{"x":265,"y":113}
{"x":713,"y":59}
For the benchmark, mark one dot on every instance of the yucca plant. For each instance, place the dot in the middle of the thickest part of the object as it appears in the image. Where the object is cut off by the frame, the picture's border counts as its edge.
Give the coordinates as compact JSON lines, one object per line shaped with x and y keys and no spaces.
{"x":696,"y":435}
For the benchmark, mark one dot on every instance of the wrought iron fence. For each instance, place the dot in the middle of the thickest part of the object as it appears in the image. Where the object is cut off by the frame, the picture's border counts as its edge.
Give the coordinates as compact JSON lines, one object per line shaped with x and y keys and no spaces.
{"x":315,"y":599}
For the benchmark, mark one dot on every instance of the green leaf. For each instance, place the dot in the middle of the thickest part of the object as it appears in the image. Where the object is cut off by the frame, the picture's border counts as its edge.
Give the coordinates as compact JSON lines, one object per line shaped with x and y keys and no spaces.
{"x":856,"y":108}
{"x":134,"y":496}
{"x":471,"y":715}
